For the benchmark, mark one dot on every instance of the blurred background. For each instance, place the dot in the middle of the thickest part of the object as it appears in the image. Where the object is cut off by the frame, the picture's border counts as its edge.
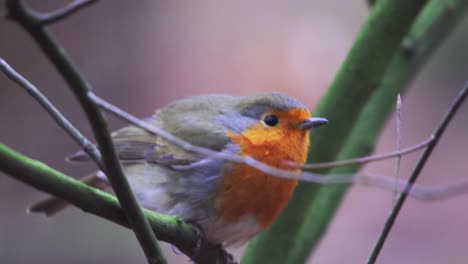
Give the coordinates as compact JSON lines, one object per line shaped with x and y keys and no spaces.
{"x":140,"y":55}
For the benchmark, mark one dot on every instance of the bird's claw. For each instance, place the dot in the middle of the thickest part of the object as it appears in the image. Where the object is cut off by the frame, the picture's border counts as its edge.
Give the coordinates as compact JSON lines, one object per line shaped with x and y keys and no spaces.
{"x":225,"y":257}
{"x":228,"y":258}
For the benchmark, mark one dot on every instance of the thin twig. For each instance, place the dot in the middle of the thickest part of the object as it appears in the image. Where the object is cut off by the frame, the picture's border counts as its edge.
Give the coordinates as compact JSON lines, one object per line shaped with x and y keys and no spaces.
{"x":414,"y":175}
{"x":418,"y":192}
{"x":27,"y":18}
{"x":59,"y":118}
{"x":398,"y":146}
{"x":366,"y":159}
{"x":64,"y":12}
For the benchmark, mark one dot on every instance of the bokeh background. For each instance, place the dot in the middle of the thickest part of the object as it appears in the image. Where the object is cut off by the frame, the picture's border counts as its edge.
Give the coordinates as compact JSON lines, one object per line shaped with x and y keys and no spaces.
{"x":140,"y":55}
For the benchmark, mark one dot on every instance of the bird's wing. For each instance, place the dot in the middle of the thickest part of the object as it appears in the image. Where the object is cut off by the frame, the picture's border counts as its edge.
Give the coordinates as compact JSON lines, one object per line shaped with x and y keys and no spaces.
{"x":134,"y":144}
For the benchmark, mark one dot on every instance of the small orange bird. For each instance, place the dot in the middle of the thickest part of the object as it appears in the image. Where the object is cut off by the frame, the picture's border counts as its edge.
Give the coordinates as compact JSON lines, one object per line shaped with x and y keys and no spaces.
{"x":230,"y":202}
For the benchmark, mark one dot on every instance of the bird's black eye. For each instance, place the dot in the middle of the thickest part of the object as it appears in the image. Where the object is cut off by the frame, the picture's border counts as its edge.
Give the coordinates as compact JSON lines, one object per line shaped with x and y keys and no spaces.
{"x":270,"y":120}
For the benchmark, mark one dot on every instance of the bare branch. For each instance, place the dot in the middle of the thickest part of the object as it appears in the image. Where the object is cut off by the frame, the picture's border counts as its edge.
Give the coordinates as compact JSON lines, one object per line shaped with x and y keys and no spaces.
{"x":59,"y":118}
{"x":418,"y":192}
{"x":62,"y":13}
{"x":417,"y":170}
{"x":398,"y":147}
{"x":367,"y":159}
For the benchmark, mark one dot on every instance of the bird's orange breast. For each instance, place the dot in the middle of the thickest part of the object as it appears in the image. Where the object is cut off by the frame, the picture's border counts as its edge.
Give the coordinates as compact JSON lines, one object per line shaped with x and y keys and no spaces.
{"x":247,"y":191}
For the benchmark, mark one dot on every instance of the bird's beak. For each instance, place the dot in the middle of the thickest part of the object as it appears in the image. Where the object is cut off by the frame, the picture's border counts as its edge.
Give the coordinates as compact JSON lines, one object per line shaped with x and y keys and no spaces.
{"x":312,"y":122}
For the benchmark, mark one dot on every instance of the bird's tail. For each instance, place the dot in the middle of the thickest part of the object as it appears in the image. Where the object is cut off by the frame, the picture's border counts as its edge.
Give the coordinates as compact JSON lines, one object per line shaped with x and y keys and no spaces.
{"x":52,"y":205}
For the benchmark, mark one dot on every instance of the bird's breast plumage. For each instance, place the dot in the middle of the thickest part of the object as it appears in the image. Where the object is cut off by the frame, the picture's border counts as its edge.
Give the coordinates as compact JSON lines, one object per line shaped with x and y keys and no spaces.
{"x":246,"y":191}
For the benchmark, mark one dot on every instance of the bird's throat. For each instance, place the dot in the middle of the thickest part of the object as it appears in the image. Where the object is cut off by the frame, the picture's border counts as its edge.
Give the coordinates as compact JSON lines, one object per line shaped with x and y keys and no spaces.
{"x":246,"y":191}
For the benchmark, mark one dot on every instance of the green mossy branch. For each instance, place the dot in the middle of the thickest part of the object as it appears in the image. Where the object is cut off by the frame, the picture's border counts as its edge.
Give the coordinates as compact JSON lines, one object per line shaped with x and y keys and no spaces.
{"x":167,"y":228}
{"x":375,"y":66}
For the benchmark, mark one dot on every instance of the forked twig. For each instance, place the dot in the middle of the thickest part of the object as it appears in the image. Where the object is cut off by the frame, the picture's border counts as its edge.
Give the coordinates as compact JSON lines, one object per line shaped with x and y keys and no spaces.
{"x":417,"y":170}
{"x":59,"y":118}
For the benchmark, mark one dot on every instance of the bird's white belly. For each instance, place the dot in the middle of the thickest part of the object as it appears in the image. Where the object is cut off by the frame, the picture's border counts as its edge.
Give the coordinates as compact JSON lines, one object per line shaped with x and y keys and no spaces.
{"x":232,"y":234}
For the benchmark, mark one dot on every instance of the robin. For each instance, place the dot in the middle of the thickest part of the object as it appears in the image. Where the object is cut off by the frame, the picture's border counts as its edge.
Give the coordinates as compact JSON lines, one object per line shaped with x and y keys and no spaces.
{"x":229,"y":202}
